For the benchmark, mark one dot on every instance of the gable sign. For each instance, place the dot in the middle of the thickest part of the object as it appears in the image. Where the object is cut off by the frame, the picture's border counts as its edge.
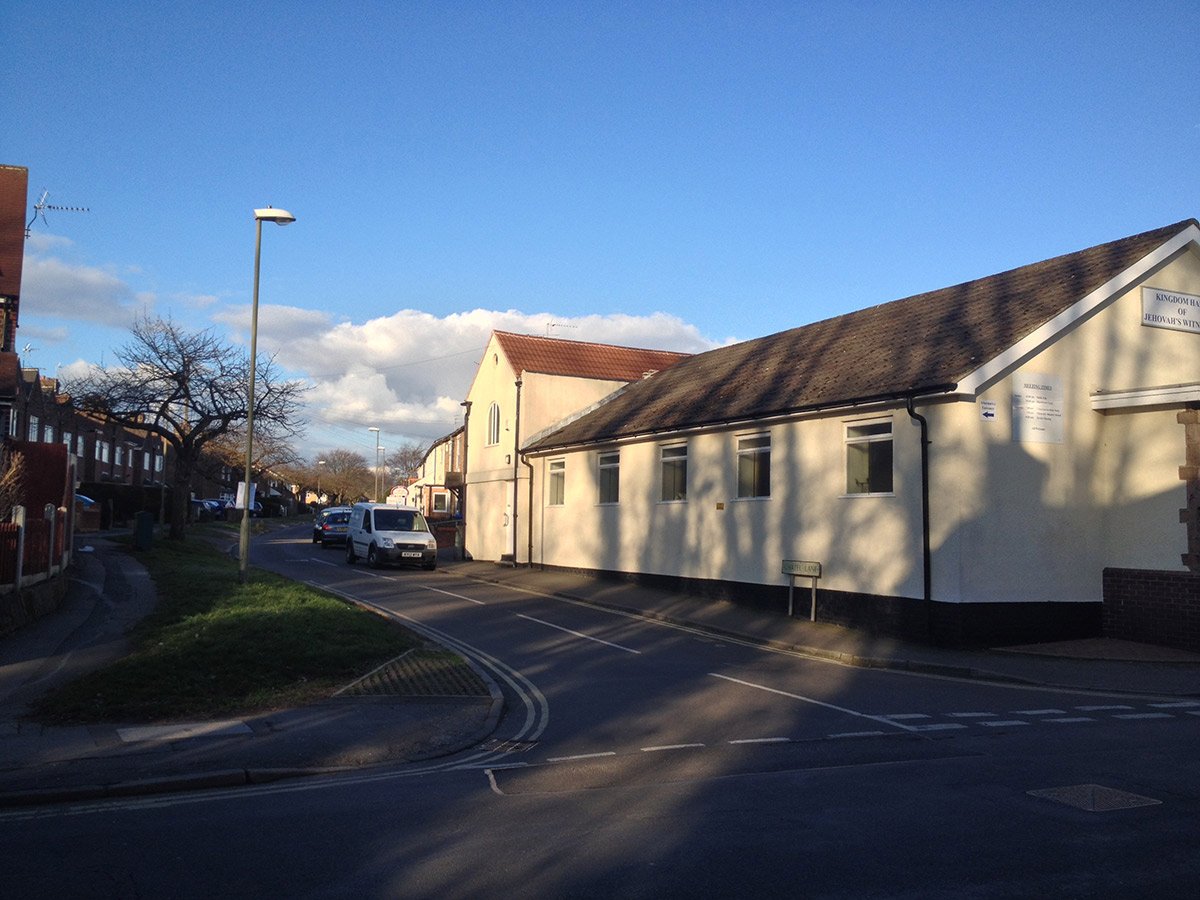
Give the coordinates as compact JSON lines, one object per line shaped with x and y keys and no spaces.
{"x":1169,"y":309}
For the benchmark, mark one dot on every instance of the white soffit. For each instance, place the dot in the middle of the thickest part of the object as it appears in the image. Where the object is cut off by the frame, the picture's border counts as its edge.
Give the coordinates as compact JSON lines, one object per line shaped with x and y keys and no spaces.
{"x":1134,"y":398}
{"x":1023,"y":349}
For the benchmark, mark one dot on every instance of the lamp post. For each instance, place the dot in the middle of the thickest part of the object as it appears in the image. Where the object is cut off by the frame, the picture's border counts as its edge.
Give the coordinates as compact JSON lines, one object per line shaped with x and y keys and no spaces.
{"x":376,"y":430}
{"x":320,"y":462}
{"x":279,"y":217}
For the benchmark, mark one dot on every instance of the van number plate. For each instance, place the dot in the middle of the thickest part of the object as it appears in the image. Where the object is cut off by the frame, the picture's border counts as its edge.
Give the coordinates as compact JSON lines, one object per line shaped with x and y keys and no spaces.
{"x":410,"y":553}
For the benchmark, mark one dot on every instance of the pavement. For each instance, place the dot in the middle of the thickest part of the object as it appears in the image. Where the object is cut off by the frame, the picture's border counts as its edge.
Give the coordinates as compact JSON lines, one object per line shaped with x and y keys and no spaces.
{"x":397,"y":716}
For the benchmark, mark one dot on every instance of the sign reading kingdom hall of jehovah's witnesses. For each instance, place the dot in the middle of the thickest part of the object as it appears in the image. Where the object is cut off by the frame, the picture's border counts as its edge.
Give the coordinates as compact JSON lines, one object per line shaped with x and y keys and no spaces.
{"x":1170,"y":309}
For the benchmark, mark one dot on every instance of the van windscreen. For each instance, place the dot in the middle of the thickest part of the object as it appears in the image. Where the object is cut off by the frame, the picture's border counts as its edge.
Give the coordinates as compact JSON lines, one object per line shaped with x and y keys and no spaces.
{"x":398,"y":520}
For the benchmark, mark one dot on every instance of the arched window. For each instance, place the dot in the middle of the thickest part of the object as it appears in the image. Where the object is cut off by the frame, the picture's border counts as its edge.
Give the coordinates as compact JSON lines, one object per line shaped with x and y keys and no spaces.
{"x":494,"y":424}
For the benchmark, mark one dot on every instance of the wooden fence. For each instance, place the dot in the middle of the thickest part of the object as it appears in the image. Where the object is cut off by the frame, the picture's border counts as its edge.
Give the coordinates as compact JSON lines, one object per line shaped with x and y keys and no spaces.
{"x":32,"y":549}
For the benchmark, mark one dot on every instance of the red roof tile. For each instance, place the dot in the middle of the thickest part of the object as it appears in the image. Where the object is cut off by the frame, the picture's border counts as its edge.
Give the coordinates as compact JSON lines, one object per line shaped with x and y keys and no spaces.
{"x":580,"y":359}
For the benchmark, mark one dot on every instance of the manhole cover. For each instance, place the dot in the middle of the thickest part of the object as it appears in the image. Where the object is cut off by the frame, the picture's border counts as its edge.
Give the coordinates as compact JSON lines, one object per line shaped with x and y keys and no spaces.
{"x":1094,"y":797}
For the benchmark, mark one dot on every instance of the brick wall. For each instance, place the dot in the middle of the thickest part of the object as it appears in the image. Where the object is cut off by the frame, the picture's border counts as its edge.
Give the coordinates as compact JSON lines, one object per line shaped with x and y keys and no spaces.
{"x":1153,"y":607}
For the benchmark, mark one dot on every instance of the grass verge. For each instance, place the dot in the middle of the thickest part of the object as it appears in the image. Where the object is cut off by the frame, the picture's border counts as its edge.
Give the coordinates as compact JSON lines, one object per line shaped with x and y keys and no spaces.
{"x":216,"y":647}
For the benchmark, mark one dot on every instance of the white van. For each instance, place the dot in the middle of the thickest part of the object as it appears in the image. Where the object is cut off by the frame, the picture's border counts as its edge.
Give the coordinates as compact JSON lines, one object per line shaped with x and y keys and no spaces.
{"x":381,"y":533}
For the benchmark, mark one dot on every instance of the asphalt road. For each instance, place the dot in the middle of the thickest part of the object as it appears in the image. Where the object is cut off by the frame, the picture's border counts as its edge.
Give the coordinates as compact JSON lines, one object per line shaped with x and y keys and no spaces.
{"x":638,"y":759}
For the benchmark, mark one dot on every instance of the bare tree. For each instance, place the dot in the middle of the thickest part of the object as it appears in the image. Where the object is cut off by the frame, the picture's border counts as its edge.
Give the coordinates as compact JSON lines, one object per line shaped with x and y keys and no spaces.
{"x":12,"y":481}
{"x":346,"y":477}
{"x":402,"y":465}
{"x":192,"y":391}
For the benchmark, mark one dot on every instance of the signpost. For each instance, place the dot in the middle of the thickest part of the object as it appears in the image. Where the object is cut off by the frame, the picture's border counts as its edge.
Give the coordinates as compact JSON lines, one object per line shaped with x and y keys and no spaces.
{"x":805,"y":569}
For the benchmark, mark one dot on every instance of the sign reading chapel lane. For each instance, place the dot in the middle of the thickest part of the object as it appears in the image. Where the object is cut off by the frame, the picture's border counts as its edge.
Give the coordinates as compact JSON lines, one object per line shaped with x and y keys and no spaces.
{"x":1169,"y":309}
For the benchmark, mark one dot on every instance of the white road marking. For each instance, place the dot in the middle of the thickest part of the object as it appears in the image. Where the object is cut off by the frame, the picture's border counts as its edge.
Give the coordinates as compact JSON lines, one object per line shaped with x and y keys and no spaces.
{"x":1071,"y":720}
{"x":774,"y":740}
{"x":971,"y":715}
{"x":850,"y":712}
{"x":671,"y":747}
{"x":939,"y":726}
{"x":1155,"y":715}
{"x":1039,"y":712}
{"x":581,"y":756}
{"x":578,"y":634}
{"x":1101,"y":708}
{"x":998,"y":723}
{"x":898,"y":716}
{"x":452,"y":594}
{"x":854,"y":734}
{"x":1178,"y":704}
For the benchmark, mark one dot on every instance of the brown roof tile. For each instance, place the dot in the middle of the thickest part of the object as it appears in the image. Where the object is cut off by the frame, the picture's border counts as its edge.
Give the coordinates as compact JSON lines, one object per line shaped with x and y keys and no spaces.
{"x":924,"y":343}
{"x":580,"y":359}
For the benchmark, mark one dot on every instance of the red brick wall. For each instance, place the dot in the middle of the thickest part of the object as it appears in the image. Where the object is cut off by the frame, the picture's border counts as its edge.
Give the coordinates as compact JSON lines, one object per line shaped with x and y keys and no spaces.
{"x":1153,"y":607}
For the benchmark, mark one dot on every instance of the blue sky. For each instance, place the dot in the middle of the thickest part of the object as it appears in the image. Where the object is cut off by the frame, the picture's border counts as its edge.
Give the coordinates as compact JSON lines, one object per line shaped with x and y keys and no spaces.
{"x":674,"y":175}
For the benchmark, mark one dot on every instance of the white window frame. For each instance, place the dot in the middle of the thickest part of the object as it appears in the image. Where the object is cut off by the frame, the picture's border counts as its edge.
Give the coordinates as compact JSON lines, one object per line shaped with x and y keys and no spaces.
{"x":864,"y":441}
{"x":608,"y":472}
{"x":493,"y":435}
{"x":47,"y":434}
{"x":34,"y":429}
{"x":754,"y":451}
{"x":556,"y":483}
{"x":672,"y":455}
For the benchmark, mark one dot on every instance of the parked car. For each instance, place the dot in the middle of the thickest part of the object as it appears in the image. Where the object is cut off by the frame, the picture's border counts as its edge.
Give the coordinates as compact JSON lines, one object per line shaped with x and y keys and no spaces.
{"x":330,"y":526}
{"x":381,"y":534}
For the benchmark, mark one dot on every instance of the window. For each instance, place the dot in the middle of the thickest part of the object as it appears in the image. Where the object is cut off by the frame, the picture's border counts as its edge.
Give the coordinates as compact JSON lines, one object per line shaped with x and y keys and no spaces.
{"x":674,"y":472}
{"x":440,"y":502}
{"x":754,"y":466}
{"x":102,"y":449}
{"x":47,"y":434}
{"x":120,"y":455}
{"x":33,"y":428}
{"x":558,"y":481}
{"x":80,"y":446}
{"x":67,"y":440}
{"x":869,"y":458}
{"x":158,"y":463}
{"x":494,"y":424}
{"x":610,"y":477}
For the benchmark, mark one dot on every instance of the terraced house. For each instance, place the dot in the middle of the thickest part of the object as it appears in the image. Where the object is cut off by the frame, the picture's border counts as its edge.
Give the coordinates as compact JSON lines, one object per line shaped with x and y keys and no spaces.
{"x":974,"y":464}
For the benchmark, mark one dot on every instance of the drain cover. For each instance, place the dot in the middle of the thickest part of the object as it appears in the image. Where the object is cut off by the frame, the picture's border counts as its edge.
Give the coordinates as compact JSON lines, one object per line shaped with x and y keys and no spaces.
{"x":1094,"y":797}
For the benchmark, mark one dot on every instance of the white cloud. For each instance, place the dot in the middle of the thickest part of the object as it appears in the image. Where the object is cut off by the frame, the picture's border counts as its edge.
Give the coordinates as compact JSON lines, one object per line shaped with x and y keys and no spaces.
{"x":408,"y":372}
{"x":51,"y":287}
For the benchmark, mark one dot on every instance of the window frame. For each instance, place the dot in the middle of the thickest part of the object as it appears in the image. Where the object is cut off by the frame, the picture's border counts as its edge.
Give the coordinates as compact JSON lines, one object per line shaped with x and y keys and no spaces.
{"x":677,"y":461}
{"x":493,"y":435}
{"x":556,"y":482}
{"x":873,"y":458}
{"x":608,"y":477}
{"x":754,"y":449}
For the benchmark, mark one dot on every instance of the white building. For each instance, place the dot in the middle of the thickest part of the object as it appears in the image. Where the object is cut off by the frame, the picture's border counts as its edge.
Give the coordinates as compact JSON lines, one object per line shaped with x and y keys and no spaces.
{"x":964,"y":464}
{"x":524,"y":385}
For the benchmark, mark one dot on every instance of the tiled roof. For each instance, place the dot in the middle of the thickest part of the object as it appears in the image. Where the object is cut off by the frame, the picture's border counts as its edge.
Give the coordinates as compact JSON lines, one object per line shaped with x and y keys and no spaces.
{"x":921,"y":344}
{"x":580,"y":359}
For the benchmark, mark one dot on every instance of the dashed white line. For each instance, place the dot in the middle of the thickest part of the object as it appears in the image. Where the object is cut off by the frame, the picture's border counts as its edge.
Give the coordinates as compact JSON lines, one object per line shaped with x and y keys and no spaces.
{"x":939,"y":726}
{"x":854,"y":734}
{"x":1102,"y":708}
{"x":1039,"y":712}
{"x":579,"y":756}
{"x":452,"y":594}
{"x":1070,"y":720}
{"x":586,"y":637}
{"x":1178,"y":704}
{"x":972,"y":715}
{"x":900,"y":716}
{"x":671,"y":747}
{"x":1002,"y":723}
{"x":1152,"y":715}
{"x":770,"y":740}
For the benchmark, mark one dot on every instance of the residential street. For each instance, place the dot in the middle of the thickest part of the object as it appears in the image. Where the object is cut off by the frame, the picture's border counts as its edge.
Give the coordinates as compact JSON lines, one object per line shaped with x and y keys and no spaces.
{"x":641,"y":758}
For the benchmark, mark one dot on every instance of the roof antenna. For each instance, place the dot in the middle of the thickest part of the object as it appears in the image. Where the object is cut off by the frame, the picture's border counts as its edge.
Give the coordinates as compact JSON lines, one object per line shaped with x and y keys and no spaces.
{"x":550,"y":325}
{"x":39,"y":209}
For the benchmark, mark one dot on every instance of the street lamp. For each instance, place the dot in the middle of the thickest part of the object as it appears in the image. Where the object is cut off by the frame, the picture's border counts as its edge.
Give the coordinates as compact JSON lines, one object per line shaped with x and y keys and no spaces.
{"x":320,"y":462}
{"x":376,"y":430}
{"x":279,"y":217}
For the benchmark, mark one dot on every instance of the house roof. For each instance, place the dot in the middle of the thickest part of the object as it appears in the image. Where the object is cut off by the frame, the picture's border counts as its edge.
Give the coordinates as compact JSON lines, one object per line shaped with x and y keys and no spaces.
{"x":581,"y":359}
{"x":924,"y":344}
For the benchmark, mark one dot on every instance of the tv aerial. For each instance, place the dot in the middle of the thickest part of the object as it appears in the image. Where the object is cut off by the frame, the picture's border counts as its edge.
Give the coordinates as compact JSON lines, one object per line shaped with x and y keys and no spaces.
{"x":39,"y":209}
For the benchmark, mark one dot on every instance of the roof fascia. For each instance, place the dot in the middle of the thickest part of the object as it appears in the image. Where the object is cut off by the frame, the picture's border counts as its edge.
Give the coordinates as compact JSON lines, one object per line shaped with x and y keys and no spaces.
{"x":1082,"y":309}
{"x":1164,"y":396}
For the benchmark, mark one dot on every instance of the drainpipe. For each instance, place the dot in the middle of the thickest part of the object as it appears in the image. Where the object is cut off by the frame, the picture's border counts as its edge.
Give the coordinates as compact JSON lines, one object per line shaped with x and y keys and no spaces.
{"x":529,"y":527}
{"x":926,"y":555}
{"x":462,"y":497}
{"x":516,"y":469}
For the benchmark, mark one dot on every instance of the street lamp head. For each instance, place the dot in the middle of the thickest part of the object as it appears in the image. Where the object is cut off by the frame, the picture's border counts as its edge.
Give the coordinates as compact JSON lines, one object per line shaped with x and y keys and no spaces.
{"x":372,"y":428}
{"x":278,"y":216}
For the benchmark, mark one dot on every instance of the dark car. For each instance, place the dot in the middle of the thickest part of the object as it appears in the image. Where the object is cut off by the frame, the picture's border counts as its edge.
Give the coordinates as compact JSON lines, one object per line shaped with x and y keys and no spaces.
{"x":331,"y":525}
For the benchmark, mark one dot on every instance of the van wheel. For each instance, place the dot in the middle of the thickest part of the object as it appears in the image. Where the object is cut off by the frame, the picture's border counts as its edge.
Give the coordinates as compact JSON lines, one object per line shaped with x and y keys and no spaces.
{"x":372,"y":557}
{"x":350,"y":557}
